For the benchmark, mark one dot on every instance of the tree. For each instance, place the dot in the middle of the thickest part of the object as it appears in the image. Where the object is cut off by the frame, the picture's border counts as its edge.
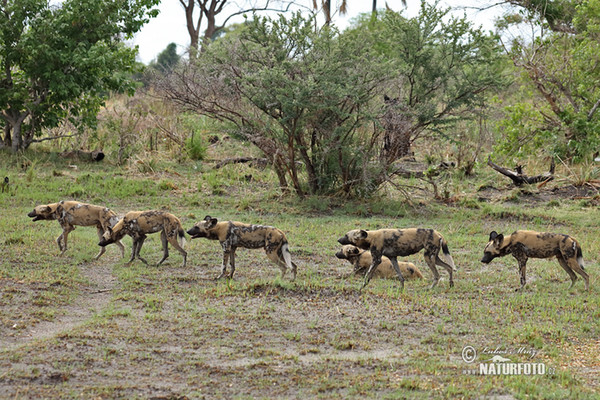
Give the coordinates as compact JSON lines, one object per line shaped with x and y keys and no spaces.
{"x":167,"y":59}
{"x":326,"y":7}
{"x":300,"y":95}
{"x":562,"y":65}
{"x":210,"y":9}
{"x":58,"y":62}
{"x":444,"y":69}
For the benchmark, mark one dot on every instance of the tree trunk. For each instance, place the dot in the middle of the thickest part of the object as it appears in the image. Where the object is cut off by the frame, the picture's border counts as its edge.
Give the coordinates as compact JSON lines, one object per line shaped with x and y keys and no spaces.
{"x":6,"y":139}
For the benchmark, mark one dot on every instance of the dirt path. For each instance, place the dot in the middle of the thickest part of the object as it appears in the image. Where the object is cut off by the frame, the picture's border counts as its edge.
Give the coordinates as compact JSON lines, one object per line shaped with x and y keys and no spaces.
{"x":91,"y":300}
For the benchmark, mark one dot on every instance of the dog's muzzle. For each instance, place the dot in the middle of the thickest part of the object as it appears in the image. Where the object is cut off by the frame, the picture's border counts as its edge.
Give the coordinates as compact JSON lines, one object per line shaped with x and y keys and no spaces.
{"x":340,"y":255}
{"x":344,"y":240}
{"x":34,"y":216}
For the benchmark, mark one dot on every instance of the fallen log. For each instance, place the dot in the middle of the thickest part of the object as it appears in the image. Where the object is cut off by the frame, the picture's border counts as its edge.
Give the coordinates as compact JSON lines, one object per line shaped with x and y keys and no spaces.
{"x":260,"y":162}
{"x":96,"y":155}
{"x":519,"y":178}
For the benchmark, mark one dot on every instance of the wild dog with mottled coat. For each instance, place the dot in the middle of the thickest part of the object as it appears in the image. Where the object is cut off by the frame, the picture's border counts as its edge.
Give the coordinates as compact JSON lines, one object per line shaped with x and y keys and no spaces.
{"x":393,"y":243}
{"x":72,"y":213}
{"x":530,"y":244}
{"x":362,"y":260}
{"x":138,"y":224}
{"x":233,"y":234}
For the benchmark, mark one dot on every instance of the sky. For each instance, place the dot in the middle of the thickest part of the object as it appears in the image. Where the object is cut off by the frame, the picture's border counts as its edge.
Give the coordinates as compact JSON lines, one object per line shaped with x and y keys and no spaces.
{"x":169,"y":26}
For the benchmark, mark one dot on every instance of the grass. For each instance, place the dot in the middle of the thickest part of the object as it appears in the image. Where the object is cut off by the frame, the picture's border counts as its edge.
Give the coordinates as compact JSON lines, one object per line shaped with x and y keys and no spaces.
{"x":172,"y":332}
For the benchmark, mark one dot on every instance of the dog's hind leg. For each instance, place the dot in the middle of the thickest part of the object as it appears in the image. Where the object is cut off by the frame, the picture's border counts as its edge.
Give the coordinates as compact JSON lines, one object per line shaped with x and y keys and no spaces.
{"x":287,"y":258}
{"x":278,"y":258}
{"x":430,"y":260}
{"x":173,"y":240}
{"x":165,"y":246}
{"x":448,"y":268}
{"x":563,"y":263}
{"x":575,"y":266}
{"x":102,"y":248}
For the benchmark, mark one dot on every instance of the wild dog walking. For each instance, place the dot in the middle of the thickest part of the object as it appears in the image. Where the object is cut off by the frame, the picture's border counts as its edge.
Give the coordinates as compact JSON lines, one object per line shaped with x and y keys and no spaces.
{"x":72,"y":213}
{"x":232,"y":235}
{"x":138,"y":224}
{"x":402,"y":242}
{"x":530,"y":244}
{"x":362,"y":260}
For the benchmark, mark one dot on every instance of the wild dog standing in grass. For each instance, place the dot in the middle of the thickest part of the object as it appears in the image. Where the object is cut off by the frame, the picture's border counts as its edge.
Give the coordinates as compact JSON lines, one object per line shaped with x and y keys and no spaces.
{"x":362,"y":260}
{"x":402,"y":242}
{"x":530,"y":244}
{"x":138,"y":224}
{"x":71,"y":213}
{"x":232,"y":235}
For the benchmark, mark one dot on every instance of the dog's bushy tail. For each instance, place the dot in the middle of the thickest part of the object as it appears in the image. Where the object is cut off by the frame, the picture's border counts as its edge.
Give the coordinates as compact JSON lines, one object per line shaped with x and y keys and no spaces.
{"x":579,"y":256}
{"x":285,"y":253}
{"x":447,"y":255}
{"x":182,"y":240}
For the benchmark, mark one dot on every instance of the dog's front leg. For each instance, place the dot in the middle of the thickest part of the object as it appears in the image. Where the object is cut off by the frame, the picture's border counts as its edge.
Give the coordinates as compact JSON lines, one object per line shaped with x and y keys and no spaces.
{"x":133,"y":250}
{"x":137,"y":253}
{"x":522,"y":260}
{"x":374,"y":264}
{"x":225,"y":261}
{"x":102,"y":248}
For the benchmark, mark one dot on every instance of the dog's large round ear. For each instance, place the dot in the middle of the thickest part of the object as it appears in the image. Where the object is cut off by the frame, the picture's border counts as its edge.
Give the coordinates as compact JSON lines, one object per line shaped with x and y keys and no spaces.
{"x":207,"y":218}
{"x":362,"y":234}
{"x":499,"y":238}
{"x":493,"y":235}
{"x":353,"y":250}
{"x":212,"y":222}
{"x":47,"y":209}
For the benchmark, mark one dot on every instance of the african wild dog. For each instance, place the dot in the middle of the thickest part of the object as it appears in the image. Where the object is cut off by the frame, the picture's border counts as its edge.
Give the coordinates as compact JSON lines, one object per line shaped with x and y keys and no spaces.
{"x":402,"y":242}
{"x":232,"y":235}
{"x":362,"y":260}
{"x":530,"y":244}
{"x":138,"y":224}
{"x":71,"y":213}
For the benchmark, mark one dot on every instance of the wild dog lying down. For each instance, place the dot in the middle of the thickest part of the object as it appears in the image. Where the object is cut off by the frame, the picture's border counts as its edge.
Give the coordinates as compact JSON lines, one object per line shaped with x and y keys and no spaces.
{"x":232,"y":235}
{"x":71,"y":213}
{"x":362,"y":260}
{"x":530,"y":244}
{"x":402,"y":242}
{"x":138,"y":224}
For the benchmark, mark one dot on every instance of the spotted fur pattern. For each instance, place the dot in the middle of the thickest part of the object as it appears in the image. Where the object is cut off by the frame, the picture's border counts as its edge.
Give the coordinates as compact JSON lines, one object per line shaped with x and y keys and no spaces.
{"x":530,"y":244}
{"x":72,"y":213}
{"x":138,"y":224}
{"x":394,"y":243}
{"x":362,"y":260}
{"x":232,"y":235}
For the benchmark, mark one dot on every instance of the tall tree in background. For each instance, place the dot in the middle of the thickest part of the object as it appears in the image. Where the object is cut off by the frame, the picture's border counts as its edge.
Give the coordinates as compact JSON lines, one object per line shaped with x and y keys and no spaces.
{"x":443,"y":68}
{"x":59,"y":62}
{"x":197,"y":11}
{"x":342,"y":8}
{"x":167,"y":59}
{"x":562,"y":65}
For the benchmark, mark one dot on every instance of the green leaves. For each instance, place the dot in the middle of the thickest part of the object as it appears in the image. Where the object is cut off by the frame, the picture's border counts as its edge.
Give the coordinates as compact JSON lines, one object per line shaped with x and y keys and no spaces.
{"x":64,"y":59}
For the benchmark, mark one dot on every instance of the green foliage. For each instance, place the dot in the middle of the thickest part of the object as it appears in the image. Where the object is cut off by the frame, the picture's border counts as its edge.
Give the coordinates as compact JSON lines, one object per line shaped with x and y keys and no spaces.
{"x":166,"y":59}
{"x":59,"y":62}
{"x":564,"y":69}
